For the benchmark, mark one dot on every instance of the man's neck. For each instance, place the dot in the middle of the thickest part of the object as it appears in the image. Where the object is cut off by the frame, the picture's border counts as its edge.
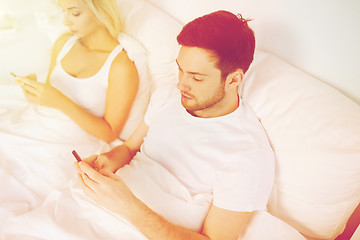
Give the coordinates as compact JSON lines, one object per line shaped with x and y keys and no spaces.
{"x":226,"y":106}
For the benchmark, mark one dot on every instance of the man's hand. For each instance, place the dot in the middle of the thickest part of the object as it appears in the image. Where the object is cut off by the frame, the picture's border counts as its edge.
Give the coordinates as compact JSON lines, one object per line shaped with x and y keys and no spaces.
{"x":101,"y":164}
{"x":113,"y":160}
{"x":110,"y":191}
{"x":107,"y":189}
{"x":109,"y":162}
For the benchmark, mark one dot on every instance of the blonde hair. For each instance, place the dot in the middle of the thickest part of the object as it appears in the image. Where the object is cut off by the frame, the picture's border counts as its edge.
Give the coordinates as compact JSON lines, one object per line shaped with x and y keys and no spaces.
{"x":107,"y":12}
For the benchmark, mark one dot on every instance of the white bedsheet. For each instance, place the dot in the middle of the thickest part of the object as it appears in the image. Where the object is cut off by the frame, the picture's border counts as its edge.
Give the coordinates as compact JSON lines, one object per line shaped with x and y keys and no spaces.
{"x":35,"y":152}
{"x":36,"y":142}
{"x":68,"y":214}
{"x":40,"y":197}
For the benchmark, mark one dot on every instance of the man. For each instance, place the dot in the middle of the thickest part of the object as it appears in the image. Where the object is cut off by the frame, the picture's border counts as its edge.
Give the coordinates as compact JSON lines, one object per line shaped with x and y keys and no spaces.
{"x":205,"y":136}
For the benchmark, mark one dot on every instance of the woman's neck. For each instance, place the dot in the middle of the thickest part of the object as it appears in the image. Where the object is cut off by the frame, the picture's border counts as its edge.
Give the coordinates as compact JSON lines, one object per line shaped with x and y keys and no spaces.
{"x":99,"y":40}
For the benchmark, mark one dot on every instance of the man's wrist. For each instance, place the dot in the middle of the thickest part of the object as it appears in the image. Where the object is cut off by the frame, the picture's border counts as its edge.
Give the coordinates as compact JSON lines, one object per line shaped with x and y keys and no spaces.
{"x":118,"y":157}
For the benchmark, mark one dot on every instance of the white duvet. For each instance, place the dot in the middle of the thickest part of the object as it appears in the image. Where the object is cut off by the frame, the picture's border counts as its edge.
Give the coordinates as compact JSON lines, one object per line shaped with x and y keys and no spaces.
{"x":40,"y":197}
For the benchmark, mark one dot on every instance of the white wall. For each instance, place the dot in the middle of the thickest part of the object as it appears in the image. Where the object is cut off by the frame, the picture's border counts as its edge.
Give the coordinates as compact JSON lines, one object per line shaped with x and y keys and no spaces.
{"x":322,"y":37}
{"x":28,"y":29}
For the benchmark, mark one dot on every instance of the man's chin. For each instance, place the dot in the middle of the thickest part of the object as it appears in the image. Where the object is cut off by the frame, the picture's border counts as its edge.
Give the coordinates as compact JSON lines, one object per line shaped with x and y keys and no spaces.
{"x":187,"y":105}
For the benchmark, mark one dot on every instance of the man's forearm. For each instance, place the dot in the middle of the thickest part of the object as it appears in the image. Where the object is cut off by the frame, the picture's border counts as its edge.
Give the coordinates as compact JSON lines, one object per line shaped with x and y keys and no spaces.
{"x":112,"y":193}
{"x":119,"y":156}
{"x":156,"y":227}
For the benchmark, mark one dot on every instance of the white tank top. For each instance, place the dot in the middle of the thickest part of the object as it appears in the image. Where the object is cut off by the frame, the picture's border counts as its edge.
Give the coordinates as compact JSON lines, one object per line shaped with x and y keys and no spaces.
{"x":89,"y":93}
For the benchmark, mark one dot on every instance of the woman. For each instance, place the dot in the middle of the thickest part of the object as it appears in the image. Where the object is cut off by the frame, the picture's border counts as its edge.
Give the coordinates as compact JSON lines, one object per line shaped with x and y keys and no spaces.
{"x":91,"y":79}
{"x":83,"y":105}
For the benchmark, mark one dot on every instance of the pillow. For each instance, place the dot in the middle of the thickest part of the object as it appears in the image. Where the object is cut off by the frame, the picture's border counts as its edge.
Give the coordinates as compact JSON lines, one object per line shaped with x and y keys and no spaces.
{"x":157,"y":32}
{"x":264,"y":226}
{"x":315,"y":134}
{"x":149,"y":37}
{"x":138,"y":54}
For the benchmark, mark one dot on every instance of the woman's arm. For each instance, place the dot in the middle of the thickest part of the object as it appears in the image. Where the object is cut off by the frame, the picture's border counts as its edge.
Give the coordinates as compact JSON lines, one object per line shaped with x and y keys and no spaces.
{"x":121,"y":92}
{"x":122,"y":88}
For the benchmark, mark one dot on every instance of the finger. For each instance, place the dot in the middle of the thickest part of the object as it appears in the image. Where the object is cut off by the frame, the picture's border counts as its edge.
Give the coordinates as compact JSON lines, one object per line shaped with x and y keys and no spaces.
{"x":91,"y":173}
{"x":89,"y":182}
{"x":88,"y":191}
{"x":100,"y":162}
{"x":24,"y":79}
{"x":77,"y":167}
{"x":111,"y":175}
{"x":98,"y":166}
{"x":93,"y":162}
{"x":28,"y":82}
{"x":32,"y":76}
{"x":90,"y":160}
{"x":81,"y":181}
{"x":106,"y":172}
{"x":20,"y":83}
{"x":29,"y":88}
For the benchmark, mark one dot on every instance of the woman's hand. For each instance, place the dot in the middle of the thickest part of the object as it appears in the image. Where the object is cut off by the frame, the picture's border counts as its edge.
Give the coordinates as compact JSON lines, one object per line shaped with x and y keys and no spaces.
{"x":40,"y":93}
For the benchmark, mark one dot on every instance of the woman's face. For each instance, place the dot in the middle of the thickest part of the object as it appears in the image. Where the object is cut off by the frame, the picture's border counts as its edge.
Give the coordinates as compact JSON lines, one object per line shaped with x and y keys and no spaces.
{"x":79,"y":18}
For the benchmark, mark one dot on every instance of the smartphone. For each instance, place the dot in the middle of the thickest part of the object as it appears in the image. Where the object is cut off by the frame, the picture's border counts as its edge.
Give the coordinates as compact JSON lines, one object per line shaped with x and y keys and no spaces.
{"x":76,"y":155}
{"x":13,"y":74}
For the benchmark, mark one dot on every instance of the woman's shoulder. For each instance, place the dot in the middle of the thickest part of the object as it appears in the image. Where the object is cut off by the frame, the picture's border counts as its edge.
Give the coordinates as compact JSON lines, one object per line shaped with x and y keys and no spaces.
{"x":123,"y":62}
{"x":122,"y":56}
{"x":60,"y":42}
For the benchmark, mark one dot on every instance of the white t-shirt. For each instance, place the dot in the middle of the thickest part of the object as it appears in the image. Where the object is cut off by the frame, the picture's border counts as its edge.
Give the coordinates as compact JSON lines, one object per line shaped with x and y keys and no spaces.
{"x":228,"y":156}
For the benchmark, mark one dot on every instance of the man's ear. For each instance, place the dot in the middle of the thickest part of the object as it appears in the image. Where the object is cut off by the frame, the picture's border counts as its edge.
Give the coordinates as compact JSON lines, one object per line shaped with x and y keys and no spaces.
{"x":235,"y":78}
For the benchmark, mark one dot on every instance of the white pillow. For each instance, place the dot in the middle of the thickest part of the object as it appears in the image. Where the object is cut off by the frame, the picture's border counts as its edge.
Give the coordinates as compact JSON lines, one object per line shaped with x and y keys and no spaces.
{"x":138,"y":54}
{"x":264,"y":226}
{"x":315,"y":133}
{"x":157,"y":32}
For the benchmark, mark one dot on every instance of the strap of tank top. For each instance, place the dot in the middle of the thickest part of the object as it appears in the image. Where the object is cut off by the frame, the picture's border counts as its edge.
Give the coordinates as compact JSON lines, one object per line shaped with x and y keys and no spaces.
{"x":66,"y":48}
{"x":111,"y":57}
{"x":106,"y":66}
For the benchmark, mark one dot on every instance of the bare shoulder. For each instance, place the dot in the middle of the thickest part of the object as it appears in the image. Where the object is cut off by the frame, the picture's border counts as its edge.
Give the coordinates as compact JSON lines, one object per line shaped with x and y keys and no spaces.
{"x":123,"y":59}
{"x":59,"y":43}
{"x":122,"y":64}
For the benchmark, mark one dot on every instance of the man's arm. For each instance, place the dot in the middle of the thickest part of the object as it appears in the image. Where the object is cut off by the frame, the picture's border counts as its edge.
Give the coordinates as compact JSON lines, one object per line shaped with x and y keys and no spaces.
{"x":119,"y":156}
{"x":133,"y":143}
{"x":110,"y":192}
{"x":225,"y":224}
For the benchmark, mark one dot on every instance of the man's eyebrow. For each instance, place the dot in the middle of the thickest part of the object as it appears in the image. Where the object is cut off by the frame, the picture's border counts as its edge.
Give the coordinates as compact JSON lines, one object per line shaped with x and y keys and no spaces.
{"x":193,"y":73}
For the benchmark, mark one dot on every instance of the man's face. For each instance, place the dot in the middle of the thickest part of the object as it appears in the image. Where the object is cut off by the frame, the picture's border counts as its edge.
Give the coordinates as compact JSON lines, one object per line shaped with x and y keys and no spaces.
{"x":200,"y":84}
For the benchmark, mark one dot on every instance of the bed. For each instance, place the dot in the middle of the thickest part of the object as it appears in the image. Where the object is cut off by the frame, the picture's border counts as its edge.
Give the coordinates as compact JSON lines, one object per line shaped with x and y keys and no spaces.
{"x":313,"y":128}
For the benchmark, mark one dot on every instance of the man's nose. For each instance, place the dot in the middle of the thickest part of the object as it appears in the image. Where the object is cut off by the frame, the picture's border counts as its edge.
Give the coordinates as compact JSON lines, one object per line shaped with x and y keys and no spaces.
{"x":183,"y":84}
